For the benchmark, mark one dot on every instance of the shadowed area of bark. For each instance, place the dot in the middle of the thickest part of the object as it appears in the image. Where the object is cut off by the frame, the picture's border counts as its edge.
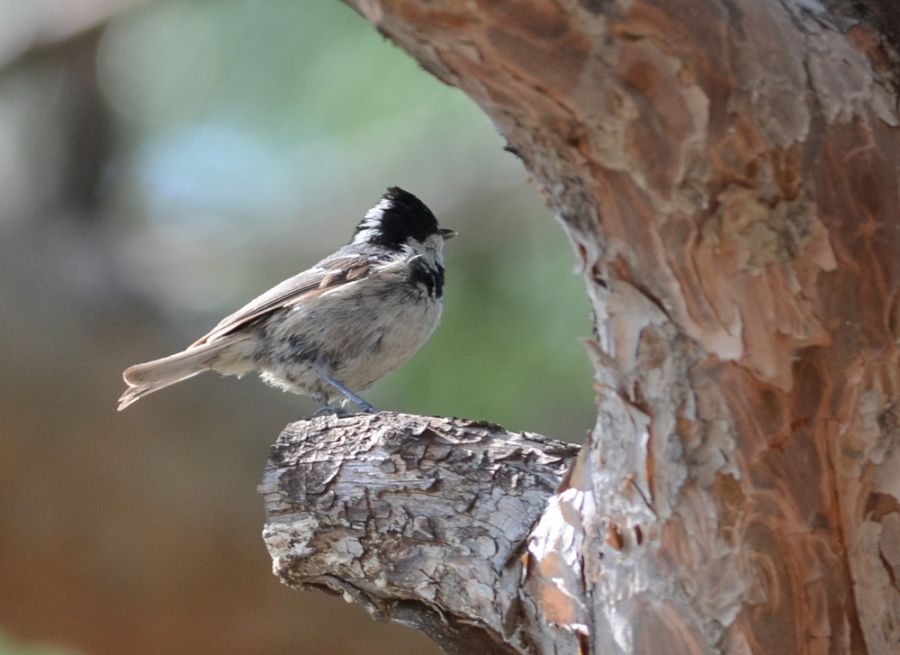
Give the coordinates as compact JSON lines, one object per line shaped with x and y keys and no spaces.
{"x":422,"y":520}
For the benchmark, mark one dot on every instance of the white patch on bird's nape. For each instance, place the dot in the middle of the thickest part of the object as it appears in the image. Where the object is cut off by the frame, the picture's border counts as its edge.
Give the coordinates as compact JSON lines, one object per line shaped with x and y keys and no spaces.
{"x":371,"y":222}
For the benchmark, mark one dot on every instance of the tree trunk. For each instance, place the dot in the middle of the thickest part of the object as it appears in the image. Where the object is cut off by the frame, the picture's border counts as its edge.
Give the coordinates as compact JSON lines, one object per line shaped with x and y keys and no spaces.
{"x":727,"y":171}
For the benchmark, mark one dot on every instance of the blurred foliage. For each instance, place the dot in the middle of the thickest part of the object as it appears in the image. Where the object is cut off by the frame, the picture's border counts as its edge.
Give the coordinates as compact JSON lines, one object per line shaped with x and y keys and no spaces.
{"x":155,"y":174}
{"x":10,"y":646}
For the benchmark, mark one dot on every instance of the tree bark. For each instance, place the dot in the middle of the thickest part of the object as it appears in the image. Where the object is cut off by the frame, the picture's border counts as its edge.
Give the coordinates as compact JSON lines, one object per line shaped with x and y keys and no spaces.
{"x":422,"y":520}
{"x":727,"y":172}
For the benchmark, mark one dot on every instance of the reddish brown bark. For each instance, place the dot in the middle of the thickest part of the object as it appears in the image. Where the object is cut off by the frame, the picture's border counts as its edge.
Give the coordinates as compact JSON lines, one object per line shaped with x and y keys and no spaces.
{"x":727,"y":171}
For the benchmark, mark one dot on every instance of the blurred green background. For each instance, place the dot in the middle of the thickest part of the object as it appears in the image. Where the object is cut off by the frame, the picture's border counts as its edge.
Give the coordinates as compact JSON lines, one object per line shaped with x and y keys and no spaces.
{"x":160,"y":164}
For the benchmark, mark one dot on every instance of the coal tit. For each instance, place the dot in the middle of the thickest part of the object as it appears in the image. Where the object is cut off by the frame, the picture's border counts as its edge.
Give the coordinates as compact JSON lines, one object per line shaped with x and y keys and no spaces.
{"x":334,"y":329}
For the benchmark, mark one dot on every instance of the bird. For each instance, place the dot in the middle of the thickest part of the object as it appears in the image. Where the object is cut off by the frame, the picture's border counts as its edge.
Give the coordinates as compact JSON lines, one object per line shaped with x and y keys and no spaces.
{"x":334,"y":329}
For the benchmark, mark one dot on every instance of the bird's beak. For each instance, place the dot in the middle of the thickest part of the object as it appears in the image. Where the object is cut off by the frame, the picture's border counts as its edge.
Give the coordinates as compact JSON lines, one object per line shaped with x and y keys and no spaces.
{"x":447,"y":233}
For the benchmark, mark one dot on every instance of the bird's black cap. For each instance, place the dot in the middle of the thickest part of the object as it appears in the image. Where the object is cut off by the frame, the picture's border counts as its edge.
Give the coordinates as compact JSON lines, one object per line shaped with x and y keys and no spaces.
{"x":398,"y":216}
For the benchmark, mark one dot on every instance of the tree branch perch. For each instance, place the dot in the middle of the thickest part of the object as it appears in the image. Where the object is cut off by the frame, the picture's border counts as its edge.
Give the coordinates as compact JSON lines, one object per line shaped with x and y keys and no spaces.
{"x":422,"y":520}
{"x":726,"y":171}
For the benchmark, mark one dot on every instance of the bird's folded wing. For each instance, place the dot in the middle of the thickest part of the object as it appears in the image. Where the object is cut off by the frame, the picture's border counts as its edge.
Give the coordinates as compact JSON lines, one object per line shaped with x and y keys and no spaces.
{"x":326,"y":275}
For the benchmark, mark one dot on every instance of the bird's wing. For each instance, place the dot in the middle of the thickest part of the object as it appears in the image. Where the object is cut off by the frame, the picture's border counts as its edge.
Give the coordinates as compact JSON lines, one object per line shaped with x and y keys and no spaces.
{"x":327,"y":274}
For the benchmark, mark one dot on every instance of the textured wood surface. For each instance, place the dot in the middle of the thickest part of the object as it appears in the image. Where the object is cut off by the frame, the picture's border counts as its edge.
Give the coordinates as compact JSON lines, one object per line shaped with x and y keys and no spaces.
{"x":727,"y":171}
{"x":422,"y":520}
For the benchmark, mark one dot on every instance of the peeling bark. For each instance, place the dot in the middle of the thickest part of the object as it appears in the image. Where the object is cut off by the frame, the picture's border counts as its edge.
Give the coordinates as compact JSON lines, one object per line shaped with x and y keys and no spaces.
{"x":727,"y":172}
{"x":422,"y":520}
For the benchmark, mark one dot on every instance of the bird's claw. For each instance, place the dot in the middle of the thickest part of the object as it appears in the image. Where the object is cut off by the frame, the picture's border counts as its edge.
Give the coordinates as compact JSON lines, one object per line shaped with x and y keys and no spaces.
{"x":366,"y":408}
{"x":328,"y":410}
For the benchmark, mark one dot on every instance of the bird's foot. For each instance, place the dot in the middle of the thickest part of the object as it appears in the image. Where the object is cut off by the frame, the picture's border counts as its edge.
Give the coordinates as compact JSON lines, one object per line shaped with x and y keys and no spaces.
{"x":366,"y":408}
{"x":356,"y":399}
{"x":329,"y":410}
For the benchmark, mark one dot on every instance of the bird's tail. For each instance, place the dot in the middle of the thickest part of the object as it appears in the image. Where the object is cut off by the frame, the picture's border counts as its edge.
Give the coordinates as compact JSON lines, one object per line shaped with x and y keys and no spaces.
{"x":144,"y":379}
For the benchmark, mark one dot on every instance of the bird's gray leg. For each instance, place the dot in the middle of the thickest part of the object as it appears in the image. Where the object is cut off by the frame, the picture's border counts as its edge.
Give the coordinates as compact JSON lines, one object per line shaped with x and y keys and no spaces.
{"x":320,"y":398}
{"x":329,"y":410}
{"x":349,"y":395}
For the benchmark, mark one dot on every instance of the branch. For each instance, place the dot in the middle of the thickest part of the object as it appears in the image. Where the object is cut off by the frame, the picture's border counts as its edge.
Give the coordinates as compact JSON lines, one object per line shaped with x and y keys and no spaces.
{"x":734,"y":214}
{"x":421,"y":520}
{"x":727,"y":174}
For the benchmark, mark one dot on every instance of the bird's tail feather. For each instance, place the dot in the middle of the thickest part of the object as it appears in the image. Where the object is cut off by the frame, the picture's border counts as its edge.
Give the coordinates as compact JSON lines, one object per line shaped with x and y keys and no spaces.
{"x":144,"y":379}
